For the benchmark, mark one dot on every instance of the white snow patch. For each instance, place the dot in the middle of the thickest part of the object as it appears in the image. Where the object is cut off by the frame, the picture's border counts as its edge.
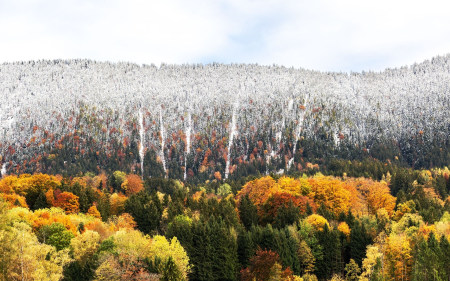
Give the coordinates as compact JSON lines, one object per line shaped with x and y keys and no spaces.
{"x":141,"y":144}
{"x":162,"y":142}
{"x":230,"y":143}
{"x":3,"y":170}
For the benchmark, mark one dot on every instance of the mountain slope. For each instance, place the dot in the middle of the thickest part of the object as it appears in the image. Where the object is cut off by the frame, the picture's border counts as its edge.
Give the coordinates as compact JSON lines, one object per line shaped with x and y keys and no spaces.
{"x":190,"y":120}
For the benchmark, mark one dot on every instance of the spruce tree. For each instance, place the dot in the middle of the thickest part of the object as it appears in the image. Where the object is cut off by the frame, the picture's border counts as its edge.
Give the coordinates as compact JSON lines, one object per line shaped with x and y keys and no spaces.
{"x":41,"y":201}
{"x":248,"y":212}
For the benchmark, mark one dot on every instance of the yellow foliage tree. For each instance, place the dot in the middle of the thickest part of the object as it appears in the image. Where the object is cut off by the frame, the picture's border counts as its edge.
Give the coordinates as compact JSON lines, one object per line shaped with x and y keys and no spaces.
{"x":93,"y":211}
{"x":317,"y":222}
{"x":85,"y":245}
{"x":164,"y":249}
{"x":399,"y":260}
{"x":117,"y":203}
{"x":373,"y":256}
{"x":24,"y":258}
{"x":334,"y":194}
{"x":344,"y":228}
{"x":295,"y":187}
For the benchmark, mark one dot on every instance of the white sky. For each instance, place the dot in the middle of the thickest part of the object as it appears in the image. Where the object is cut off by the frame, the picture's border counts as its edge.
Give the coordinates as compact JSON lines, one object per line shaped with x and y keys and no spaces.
{"x":344,"y":35}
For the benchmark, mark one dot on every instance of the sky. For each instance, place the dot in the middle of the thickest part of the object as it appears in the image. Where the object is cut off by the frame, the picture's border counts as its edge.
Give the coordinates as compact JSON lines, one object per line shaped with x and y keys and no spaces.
{"x":344,"y":35}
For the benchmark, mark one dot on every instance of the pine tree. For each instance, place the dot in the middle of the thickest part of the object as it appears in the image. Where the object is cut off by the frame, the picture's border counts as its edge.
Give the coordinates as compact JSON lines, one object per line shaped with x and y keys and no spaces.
{"x":246,"y":247}
{"x":329,"y":264}
{"x":445,"y":257}
{"x":287,"y":215}
{"x":224,"y":250}
{"x":359,"y":239}
{"x":146,"y":210}
{"x":248,"y":212}
{"x":41,"y":201}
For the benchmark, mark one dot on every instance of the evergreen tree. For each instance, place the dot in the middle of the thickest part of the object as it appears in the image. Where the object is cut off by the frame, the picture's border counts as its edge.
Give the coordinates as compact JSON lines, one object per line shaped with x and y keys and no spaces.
{"x":445,"y":257}
{"x":224,"y":251}
{"x":287,"y":215}
{"x":146,"y":210}
{"x":246,"y":247}
{"x":329,"y":264}
{"x":41,"y":201}
{"x":359,"y":240}
{"x":401,"y":180}
{"x":171,"y":272}
{"x":103,"y":206}
{"x":248,"y":212}
{"x":429,"y":260}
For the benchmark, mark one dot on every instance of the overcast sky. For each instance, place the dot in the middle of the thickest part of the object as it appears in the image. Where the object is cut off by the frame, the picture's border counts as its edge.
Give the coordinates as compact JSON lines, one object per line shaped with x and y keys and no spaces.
{"x":322,"y":35}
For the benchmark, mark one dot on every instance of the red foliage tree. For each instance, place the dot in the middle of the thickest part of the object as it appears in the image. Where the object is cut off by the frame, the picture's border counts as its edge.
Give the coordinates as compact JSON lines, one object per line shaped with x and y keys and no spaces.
{"x":261,"y":266}
{"x":282,"y":199}
{"x":68,"y":202}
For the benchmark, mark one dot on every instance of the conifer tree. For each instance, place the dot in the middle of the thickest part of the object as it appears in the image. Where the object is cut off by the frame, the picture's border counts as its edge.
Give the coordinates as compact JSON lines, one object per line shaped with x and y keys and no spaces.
{"x":248,"y":212}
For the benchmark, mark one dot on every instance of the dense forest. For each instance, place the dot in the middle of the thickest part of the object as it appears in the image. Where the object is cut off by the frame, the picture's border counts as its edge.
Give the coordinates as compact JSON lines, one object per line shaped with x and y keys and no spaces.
{"x":357,"y":221}
{"x":223,"y":172}
{"x":189,"y":122}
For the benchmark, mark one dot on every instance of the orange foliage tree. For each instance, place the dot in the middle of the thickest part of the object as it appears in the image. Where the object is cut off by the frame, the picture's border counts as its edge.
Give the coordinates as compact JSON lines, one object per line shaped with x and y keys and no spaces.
{"x":14,"y":200}
{"x":269,"y":195}
{"x":258,"y":190}
{"x":125,"y":220}
{"x":94,"y":212}
{"x":282,"y":199}
{"x":132,"y":184}
{"x":47,"y":217}
{"x":68,"y":202}
{"x":375,"y":195}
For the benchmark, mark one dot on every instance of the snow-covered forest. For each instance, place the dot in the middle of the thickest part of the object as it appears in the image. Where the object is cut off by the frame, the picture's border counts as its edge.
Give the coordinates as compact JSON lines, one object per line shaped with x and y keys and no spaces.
{"x":184,"y":120}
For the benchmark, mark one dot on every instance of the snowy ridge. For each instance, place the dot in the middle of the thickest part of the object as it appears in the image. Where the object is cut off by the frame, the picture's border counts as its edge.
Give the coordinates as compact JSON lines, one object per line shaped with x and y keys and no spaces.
{"x":42,"y":101}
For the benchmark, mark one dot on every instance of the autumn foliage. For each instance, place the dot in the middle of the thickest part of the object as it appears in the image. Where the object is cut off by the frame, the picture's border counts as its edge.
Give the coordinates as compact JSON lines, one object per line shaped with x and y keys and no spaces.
{"x":132,"y":184}
{"x":373,"y":196}
{"x":93,"y":211}
{"x":361,"y":196}
{"x":68,"y":202}
{"x":275,"y":228}
{"x":265,"y":265}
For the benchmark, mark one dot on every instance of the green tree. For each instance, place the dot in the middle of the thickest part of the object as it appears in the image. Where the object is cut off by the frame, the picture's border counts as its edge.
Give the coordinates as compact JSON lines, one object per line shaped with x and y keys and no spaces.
{"x":352,"y":271}
{"x":330,"y":263}
{"x":41,"y":201}
{"x":359,"y":240}
{"x":56,"y":235}
{"x":306,"y":258}
{"x":248,"y":212}
{"x":171,"y":272}
{"x":146,"y":210}
{"x":445,"y":257}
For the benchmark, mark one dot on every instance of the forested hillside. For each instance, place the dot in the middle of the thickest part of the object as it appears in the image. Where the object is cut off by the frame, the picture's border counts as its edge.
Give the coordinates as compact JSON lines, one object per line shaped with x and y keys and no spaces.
{"x":190,"y":122}
{"x":223,"y":172}
{"x":321,"y":227}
